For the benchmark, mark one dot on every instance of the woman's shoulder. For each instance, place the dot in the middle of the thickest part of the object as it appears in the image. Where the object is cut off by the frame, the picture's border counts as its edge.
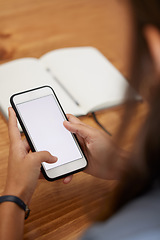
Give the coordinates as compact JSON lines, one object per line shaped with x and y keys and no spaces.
{"x":139,"y":219}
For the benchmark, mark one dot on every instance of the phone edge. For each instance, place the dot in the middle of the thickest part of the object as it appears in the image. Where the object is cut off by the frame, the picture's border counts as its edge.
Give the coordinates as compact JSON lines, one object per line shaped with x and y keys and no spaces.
{"x":30,"y":142}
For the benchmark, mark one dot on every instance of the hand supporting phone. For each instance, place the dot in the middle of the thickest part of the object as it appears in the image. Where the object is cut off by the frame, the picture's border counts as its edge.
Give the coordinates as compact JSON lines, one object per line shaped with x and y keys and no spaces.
{"x":41,"y":118}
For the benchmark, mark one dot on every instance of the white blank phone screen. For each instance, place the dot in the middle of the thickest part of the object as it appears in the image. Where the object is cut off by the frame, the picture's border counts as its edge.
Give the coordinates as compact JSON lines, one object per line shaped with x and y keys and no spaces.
{"x":44,"y":123}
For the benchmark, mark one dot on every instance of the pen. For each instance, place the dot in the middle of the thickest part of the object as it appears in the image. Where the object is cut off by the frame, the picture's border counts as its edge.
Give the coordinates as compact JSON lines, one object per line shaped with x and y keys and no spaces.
{"x":61,"y":85}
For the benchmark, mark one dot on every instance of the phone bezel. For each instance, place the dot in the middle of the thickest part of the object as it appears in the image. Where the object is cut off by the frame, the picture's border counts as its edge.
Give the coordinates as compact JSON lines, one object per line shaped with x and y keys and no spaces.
{"x":59,"y":171}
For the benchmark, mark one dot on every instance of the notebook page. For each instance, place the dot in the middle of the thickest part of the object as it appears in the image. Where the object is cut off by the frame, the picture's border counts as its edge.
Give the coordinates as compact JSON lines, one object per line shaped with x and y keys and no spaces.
{"x":24,"y":74}
{"x":91,"y":79}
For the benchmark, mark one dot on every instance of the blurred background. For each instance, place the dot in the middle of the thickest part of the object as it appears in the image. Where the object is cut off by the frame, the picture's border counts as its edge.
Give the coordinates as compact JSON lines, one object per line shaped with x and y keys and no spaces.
{"x":30,"y":28}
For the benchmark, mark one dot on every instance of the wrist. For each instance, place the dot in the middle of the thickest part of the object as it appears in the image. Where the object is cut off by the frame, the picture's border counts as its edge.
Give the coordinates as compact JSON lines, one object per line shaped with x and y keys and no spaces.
{"x":15,"y":201}
{"x":15,"y":192}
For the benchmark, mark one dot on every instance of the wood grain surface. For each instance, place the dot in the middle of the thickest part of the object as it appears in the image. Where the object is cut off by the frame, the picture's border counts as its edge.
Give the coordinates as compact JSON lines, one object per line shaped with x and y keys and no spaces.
{"x":30,"y":28}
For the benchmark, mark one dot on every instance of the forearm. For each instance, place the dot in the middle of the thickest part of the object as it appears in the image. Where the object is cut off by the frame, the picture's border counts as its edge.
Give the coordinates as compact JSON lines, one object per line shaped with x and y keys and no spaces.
{"x":11,"y":221}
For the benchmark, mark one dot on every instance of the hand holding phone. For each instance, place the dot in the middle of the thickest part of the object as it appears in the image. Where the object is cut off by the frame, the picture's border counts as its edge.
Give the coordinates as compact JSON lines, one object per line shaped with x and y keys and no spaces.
{"x":41,"y":118}
{"x":22,"y":163}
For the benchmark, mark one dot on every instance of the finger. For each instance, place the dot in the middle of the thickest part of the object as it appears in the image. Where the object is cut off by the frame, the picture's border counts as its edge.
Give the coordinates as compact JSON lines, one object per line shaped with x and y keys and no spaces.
{"x":41,"y":176}
{"x":13,"y":130}
{"x":73,"y":119}
{"x":82,"y":130}
{"x":67,"y":179}
{"x":43,"y":156}
{"x":26,"y":145}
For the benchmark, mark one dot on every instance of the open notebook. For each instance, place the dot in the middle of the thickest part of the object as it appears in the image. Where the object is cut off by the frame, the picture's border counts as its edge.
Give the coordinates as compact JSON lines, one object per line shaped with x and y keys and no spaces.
{"x":83,"y":79}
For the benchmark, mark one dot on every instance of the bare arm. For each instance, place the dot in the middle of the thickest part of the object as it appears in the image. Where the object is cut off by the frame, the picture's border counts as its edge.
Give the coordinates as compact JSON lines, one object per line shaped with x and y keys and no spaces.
{"x":23,"y":173}
{"x":11,"y":221}
{"x":105,"y":159}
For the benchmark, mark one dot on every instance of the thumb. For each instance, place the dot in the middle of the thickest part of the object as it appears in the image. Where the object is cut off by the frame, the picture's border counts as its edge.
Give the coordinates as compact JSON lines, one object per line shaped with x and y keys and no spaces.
{"x":82,"y":130}
{"x":43,"y":156}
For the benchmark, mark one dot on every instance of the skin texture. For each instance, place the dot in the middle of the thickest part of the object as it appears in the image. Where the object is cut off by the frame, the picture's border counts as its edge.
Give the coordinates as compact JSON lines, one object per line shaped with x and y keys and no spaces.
{"x":97,"y":146}
{"x":19,"y":182}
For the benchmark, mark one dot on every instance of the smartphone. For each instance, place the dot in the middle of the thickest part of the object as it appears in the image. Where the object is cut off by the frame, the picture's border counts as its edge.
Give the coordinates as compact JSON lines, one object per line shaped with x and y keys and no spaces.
{"x":41,"y":117}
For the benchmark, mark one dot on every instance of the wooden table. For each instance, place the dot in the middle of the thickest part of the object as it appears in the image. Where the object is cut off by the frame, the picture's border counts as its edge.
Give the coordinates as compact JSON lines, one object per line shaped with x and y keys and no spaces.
{"x":30,"y":28}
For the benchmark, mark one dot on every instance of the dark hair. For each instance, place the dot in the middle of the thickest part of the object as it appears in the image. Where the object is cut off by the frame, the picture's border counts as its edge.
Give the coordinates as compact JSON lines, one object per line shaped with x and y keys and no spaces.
{"x":146,"y":12}
{"x":136,"y":181}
